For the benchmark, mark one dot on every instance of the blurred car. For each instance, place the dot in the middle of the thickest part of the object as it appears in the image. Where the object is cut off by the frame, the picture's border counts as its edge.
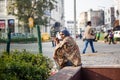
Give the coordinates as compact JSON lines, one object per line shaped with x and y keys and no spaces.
{"x":117,"y":34}
{"x":45,"y":36}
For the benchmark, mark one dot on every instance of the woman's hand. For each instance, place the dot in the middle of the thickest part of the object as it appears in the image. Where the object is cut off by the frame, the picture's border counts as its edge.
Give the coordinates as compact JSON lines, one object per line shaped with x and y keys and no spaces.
{"x":56,"y":40}
{"x":54,"y":57}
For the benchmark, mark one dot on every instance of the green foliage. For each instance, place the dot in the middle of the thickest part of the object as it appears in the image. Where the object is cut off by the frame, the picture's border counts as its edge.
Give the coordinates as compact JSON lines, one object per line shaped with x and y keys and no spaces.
{"x":19,"y":40}
{"x":101,"y":36}
{"x":23,"y":40}
{"x":117,"y":39}
{"x":2,"y":40}
{"x":24,"y":9}
{"x":24,"y":66}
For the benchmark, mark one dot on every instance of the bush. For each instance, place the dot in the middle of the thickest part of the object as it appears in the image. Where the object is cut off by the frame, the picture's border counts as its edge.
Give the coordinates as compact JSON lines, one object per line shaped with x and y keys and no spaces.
{"x":19,"y":40}
{"x":24,"y":40}
{"x":2,"y":40}
{"x":24,"y":66}
{"x":117,"y":39}
{"x":101,"y":36}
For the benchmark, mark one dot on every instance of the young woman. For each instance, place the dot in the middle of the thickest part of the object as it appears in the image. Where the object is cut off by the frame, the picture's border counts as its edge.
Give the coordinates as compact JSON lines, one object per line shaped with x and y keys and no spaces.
{"x":67,"y":51}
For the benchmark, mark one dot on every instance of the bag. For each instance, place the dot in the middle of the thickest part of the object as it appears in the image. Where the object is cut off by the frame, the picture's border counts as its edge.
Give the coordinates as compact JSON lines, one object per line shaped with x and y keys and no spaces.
{"x":92,"y":33}
{"x":84,"y":39}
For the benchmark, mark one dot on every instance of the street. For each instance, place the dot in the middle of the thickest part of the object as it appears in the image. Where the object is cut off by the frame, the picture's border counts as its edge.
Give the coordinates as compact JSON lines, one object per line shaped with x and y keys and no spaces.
{"x":47,"y":48}
{"x":107,"y":54}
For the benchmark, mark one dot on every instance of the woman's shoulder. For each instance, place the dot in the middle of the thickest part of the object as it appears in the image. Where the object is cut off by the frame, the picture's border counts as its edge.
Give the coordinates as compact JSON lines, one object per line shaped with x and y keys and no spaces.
{"x":68,"y":38}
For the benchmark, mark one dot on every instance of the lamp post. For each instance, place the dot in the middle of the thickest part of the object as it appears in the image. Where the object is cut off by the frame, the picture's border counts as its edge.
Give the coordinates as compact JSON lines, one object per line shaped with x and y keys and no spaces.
{"x":74,"y":19}
{"x":39,"y":33}
{"x":9,"y":30}
{"x":39,"y":39}
{"x":8,"y":40}
{"x":119,"y":10}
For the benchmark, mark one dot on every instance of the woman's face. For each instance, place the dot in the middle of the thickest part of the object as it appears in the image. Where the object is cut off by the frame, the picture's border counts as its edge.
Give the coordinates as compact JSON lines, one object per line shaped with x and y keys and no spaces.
{"x":62,"y":35}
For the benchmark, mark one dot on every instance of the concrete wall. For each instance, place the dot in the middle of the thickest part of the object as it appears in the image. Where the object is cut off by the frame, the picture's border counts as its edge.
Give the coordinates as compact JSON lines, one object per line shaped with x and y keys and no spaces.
{"x":100,"y":73}
{"x":67,"y":73}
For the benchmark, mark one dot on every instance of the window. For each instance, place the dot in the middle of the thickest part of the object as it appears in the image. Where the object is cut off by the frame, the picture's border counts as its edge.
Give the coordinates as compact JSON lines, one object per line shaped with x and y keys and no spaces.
{"x":2,"y":6}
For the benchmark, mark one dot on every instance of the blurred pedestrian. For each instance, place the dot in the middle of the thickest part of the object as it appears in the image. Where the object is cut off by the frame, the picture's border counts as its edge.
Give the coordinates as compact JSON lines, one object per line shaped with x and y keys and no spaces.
{"x":67,"y":51}
{"x":53,"y":36}
{"x":89,"y":36}
{"x":98,"y":35}
{"x":80,"y":35}
{"x":111,"y":37}
{"x":106,"y":34}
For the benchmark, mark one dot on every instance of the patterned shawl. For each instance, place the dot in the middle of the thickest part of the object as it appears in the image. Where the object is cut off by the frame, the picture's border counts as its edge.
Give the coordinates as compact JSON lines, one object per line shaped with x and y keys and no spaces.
{"x":67,"y":50}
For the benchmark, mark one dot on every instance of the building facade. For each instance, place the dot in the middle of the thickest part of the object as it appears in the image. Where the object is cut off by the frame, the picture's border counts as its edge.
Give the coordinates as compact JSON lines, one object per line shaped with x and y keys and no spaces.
{"x":7,"y":21}
{"x":117,"y":10}
{"x":109,"y":18}
{"x":95,"y":16}
{"x":82,"y":21}
{"x":55,"y":18}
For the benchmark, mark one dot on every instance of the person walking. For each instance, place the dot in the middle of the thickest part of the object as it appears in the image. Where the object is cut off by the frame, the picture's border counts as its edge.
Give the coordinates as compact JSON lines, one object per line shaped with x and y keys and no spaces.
{"x":111,"y":37}
{"x":80,"y":35}
{"x":106,"y":34}
{"x":89,"y":37}
{"x":53,"y":35}
{"x":66,"y":52}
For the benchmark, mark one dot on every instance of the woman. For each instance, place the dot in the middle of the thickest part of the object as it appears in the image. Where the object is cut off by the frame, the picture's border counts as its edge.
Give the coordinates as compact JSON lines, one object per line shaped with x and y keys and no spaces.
{"x":67,"y":51}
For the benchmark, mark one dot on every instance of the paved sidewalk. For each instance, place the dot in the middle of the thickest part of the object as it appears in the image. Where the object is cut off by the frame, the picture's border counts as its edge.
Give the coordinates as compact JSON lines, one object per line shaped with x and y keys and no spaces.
{"x":100,"y":59}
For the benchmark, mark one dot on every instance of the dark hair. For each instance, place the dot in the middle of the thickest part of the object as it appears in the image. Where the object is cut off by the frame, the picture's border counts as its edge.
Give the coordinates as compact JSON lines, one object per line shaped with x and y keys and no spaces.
{"x":89,"y":23}
{"x":65,"y":32}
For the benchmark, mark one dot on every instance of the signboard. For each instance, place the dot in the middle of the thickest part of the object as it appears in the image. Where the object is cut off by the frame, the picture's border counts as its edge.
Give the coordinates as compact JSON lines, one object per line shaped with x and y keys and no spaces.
{"x":31,"y":22}
{"x":2,"y":24}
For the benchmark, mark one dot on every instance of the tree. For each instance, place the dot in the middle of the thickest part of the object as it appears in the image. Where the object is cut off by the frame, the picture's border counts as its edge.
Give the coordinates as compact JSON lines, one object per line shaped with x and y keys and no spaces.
{"x":24,"y":9}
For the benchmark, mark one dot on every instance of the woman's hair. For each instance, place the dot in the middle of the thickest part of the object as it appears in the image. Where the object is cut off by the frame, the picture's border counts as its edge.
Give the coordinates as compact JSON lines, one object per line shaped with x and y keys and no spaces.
{"x":65,"y":32}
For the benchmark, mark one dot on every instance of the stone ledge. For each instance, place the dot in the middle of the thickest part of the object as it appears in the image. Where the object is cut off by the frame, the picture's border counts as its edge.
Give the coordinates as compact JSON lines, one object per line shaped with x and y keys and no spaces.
{"x":106,"y":73}
{"x":102,"y":66}
{"x":67,"y":73}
